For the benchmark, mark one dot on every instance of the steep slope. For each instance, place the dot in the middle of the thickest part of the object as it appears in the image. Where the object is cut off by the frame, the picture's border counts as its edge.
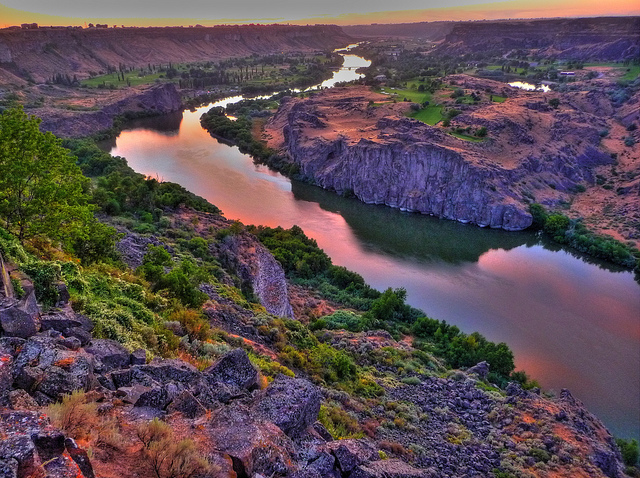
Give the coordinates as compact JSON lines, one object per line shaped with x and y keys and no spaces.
{"x":39,"y":54}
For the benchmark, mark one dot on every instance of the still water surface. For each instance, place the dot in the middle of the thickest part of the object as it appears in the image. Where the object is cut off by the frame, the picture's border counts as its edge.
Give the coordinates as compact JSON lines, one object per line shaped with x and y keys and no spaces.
{"x":572,"y":322}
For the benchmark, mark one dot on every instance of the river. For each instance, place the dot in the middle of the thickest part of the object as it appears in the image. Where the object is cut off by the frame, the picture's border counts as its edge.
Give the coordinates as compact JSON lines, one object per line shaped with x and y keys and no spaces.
{"x":572,"y":322}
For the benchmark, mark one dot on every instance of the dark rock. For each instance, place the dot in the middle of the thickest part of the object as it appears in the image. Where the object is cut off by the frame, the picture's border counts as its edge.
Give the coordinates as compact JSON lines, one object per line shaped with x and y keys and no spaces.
{"x":234,"y":368}
{"x":72,"y":343}
{"x":110,"y":353}
{"x":59,"y":321}
{"x":21,"y":400}
{"x":156,"y":397}
{"x":15,"y":322}
{"x":291,"y":403}
{"x":351,"y":453}
{"x":390,"y":468}
{"x":322,"y":431}
{"x":255,"y":446}
{"x":324,"y":465}
{"x":49,"y":444}
{"x":481,"y":369}
{"x":187,"y":404}
{"x":131,"y":394}
{"x":8,"y":468}
{"x":169,"y":370}
{"x":80,"y":457}
{"x":138,"y":357}
{"x":59,"y":380}
{"x":80,"y":333}
{"x":22,"y":450}
{"x":28,"y":377}
{"x":608,"y":461}
{"x":42,"y":398}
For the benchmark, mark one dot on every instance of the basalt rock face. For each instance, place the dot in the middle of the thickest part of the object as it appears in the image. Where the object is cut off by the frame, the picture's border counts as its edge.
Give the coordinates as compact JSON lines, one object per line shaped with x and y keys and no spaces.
{"x":405,"y":167}
{"x":257,"y":268}
{"x":532,"y":153}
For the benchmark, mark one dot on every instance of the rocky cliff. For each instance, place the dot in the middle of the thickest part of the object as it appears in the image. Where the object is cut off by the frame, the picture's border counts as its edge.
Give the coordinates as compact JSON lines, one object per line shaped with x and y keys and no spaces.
{"x":40,"y":54}
{"x":343,"y":143}
{"x":155,"y":100}
{"x":609,"y":39}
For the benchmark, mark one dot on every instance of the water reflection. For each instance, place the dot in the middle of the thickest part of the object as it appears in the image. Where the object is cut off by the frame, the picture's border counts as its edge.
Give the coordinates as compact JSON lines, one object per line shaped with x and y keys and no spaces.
{"x":570,"y":321}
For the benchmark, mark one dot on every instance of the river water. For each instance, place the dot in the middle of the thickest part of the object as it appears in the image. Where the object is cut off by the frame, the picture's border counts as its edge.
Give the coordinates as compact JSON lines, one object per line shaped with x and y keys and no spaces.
{"x":572,"y":322}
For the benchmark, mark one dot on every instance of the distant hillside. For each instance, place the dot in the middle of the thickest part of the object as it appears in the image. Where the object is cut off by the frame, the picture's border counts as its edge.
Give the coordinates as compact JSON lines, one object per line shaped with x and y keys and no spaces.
{"x":41,"y":53}
{"x":434,"y":31}
{"x":607,"y":38}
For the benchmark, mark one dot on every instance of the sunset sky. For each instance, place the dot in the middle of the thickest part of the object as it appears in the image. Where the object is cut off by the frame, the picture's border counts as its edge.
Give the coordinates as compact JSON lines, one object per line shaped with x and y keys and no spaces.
{"x":208,"y":12}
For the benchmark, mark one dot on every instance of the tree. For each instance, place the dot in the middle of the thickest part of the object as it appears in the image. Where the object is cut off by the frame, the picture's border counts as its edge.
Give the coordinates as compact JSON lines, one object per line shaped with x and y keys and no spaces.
{"x":42,"y":190}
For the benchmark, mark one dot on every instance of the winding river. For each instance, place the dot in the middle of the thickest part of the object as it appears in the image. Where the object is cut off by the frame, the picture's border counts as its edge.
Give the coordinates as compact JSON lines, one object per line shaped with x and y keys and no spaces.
{"x":572,"y":322}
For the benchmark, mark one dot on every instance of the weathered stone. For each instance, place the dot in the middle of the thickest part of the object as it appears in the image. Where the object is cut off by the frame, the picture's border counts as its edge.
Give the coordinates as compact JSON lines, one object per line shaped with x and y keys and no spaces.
{"x":21,"y":400}
{"x":72,"y":343}
{"x":68,"y":374}
{"x":80,"y":457}
{"x":291,"y":403}
{"x":21,"y":449}
{"x":27,"y":378}
{"x":131,"y":394}
{"x":110,"y":353}
{"x":8,"y":468}
{"x":138,"y":357}
{"x":6,"y":377}
{"x":481,"y":369}
{"x":254,"y":446}
{"x":186,"y":404}
{"x":59,"y":321}
{"x":322,"y":431}
{"x":351,"y":453}
{"x":234,"y":368}
{"x":156,"y":397}
{"x":15,"y":322}
{"x":49,"y":443}
{"x":169,"y":370}
{"x":80,"y":333}
{"x":389,"y":468}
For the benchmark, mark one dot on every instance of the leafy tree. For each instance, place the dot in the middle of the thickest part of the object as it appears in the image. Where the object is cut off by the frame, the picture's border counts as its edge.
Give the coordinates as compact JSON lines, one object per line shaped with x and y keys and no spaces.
{"x":630,"y":450}
{"x":42,"y":191}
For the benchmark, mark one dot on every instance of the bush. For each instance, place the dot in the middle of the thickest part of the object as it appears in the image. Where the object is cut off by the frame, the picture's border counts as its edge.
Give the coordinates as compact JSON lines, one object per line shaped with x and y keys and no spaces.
{"x":168,"y":457}
{"x":74,"y":415}
{"x":629,"y":450}
{"x":338,"y":422}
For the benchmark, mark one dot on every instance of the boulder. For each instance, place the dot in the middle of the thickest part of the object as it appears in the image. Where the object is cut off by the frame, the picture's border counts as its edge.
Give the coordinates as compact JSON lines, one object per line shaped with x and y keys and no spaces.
{"x":234,"y":368}
{"x":80,"y":457}
{"x":138,"y":357}
{"x":169,"y":370}
{"x":253,"y":445}
{"x":351,"y":453}
{"x":22,"y":450}
{"x":15,"y":322}
{"x":49,"y":443}
{"x":156,"y":397}
{"x":70,"y":373}
{"x":291,"y":403}
{"x":187,"y":404}
{"x":60,"y":321}
{"x":110,"y":353}
{"x":8,"y":468}
{"x":481,"y":369}
{"x":21,"y":400}
{"x":388,"y":468}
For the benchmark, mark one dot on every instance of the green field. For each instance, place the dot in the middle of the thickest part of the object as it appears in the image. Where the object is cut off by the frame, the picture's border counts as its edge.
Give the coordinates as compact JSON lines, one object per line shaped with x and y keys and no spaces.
{"x":467,"y":137}
{"x":132,"y":78}
{"x":499,"y":99}
{"x":430,"y":115}
{"x":631,"y":72}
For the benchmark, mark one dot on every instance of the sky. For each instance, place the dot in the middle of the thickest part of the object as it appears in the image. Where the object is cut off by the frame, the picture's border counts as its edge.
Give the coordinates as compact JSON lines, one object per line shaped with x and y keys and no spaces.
{"x":211,"y":12}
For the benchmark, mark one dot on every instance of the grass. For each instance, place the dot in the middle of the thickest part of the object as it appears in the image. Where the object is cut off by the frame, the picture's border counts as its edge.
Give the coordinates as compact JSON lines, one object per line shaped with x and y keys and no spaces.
{"x":429,"y":115}
{"x":132,"y":78}
{"x":467,"y":137}
{"x":499,"y":99}
{"x":631,"y":71}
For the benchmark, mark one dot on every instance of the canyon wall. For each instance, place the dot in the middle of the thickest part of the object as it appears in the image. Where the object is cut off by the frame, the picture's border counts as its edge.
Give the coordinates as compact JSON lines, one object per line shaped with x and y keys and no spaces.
{"x":606,"y":38}
{"x":41,"y":53}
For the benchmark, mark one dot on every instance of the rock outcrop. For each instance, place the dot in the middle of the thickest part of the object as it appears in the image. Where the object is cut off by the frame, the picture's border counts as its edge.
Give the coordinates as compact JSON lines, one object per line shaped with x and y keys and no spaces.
{"x":340,"y":142}
{"x":155,"y":100}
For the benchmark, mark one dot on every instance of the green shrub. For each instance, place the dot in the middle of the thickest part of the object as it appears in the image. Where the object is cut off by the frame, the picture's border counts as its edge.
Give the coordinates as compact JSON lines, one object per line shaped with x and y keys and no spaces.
{"x":629,"y":450}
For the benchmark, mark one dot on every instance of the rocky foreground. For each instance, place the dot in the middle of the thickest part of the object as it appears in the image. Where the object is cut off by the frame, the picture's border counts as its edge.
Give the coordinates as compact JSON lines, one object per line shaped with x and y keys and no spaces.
{"x":442,"y":424}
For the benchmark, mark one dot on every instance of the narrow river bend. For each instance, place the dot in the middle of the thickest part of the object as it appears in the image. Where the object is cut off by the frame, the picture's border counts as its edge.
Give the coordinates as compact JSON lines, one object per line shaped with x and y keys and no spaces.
{"x":572,"y":322}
